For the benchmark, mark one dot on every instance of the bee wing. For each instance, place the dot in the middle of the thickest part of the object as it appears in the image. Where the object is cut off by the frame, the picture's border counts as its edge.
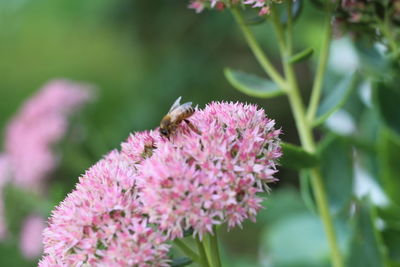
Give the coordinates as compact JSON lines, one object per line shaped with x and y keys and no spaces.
{"x":186,"y":105}
{"x":176,"y":104}
{"x":176,"y":113}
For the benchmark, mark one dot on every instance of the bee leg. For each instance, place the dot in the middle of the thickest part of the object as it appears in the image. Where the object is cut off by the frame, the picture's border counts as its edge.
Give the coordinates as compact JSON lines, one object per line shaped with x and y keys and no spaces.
{"x":192,"y":127}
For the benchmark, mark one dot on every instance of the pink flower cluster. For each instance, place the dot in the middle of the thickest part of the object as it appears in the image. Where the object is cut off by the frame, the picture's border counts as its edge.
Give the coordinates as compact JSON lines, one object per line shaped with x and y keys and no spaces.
{"x":263,"y":6}
{"x":101,"y":224}
{"x":127,"y":206}
{"x":29,"y":158}
{"x":39,"y":124}
{"x":198,"y":181}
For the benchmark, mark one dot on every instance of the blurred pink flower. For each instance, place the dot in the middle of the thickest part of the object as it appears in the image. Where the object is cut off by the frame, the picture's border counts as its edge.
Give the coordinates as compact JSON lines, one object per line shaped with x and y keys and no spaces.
{"x":198,"y":181}
{"x":31,"y":237}
{"x":262,"y":6}
{"x":39,"y":124}
{"x":101,"y":224}
{"x":4,"y":169}
{"x":4,"y":177}
{"x":197,"y":5}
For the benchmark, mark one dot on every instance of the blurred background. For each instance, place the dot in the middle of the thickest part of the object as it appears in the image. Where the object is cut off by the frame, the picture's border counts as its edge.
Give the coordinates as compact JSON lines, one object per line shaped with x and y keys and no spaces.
{"x":141,"y":56}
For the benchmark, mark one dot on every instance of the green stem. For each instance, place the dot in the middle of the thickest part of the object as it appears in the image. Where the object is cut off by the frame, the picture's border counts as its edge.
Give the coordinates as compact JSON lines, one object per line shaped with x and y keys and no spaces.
{"x":216,"y":260}
{"x":187,"y":250}
{"x":323,"y":59}
{"x":204,"y":261}
{"x":293,"y":91}
{"x":388,"y":33}
{"x":323,"y":209}
{"x":306,"y":137}
{"x":289,"y":27}
{"x":257,"y":51}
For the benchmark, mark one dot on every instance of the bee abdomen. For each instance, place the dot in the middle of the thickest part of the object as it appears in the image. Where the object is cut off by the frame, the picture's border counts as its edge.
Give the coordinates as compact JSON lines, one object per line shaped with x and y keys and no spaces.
{"x":189,"y":112}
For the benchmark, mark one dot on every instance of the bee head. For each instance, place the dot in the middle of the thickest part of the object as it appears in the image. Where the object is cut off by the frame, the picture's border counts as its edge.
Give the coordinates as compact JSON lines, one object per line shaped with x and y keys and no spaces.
{"x":164,"y":132}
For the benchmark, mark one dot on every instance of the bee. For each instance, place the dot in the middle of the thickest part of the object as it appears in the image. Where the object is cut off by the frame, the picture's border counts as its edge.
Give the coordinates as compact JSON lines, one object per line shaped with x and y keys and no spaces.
{"x":175,"y":116}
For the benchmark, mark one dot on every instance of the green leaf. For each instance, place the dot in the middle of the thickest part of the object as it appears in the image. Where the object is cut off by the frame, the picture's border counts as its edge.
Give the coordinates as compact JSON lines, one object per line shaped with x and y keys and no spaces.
{"x":389,"y":155}
{"x":295,"y":157}
{"x":337,"y":171}
{"x":255,"y":20}
{"x":298,"y":240}
{"x":366,"y":247}
{"x":372,"y":62}
{"x":366,"y":143}
{"x":293,"y":237}
{"x":387,"y":99}
{"x":179,"y":262}
{"x":283,"y":203}
{"x":252,"y":85}
{"x":336,"y":98}
{"x":301,"y":56}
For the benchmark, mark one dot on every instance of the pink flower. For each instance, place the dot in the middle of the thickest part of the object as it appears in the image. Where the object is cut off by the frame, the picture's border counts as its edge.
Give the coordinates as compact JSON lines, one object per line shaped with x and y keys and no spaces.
{"x":262,"y":6}
{"x":39,"y":124}
{"x":101,"y":223}
{"x":197,"y":181}
{"x":197,"y":5}
{"x":31,"y":237}
{"x":4,"y":177}
{"x":4,"y":169}
{"x":264,"y":10}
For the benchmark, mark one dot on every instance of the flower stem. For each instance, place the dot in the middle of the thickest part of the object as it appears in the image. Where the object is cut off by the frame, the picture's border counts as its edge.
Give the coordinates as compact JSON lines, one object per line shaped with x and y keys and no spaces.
{"x":204,"y":261}
{"x":323,"y":59}
{"x":297,"y":106}
{"x":187,"y":250}
{"x":257,"y":51}
{"x":215,"y":257}
{"x":305,"y":132}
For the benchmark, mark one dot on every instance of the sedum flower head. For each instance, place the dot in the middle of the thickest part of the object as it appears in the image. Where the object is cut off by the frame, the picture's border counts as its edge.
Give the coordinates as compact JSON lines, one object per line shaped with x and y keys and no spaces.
{"x":39,"y":124}
{"x":197,"y":181}
{"x":101,"y":224}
